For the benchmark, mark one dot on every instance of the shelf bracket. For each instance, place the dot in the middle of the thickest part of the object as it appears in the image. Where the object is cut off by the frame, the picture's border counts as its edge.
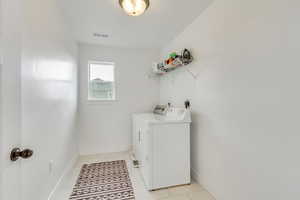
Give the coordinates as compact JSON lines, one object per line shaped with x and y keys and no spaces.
{"x":190,"y":72}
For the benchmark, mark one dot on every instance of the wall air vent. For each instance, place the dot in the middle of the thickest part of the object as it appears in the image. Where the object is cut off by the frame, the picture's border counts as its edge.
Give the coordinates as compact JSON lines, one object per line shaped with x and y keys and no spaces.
{"x":101,"y":35}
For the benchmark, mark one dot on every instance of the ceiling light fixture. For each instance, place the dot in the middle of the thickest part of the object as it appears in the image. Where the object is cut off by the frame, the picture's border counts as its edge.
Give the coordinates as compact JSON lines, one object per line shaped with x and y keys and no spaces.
{"x":134,"y":7}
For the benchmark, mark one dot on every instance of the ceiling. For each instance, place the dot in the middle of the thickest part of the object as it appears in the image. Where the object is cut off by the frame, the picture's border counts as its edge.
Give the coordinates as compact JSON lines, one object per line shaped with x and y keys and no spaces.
{"x":160,"y":24}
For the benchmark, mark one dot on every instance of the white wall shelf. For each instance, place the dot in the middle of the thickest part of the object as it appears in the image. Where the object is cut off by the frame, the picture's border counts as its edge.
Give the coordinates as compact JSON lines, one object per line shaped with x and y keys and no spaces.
{"x":173,"y":62}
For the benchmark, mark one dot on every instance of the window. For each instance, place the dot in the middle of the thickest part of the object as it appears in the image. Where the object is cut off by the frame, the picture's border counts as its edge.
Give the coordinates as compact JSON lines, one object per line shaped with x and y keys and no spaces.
{"x":101,"y":84}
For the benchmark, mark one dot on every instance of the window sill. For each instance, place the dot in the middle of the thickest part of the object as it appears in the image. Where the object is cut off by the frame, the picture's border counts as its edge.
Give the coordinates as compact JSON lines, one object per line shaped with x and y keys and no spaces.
{"x":100,"y":102}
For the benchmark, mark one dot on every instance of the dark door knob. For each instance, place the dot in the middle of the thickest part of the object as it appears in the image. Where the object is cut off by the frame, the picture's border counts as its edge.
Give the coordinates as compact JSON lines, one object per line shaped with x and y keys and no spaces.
{"x":16,"y":153}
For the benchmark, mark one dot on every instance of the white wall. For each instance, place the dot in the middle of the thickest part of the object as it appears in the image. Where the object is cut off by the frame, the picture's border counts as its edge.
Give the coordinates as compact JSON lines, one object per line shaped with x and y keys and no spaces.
{"x":106,"y":127}
{"x":245,"y":101}
{"x":49,"y":97}
{"x":10,"y":42}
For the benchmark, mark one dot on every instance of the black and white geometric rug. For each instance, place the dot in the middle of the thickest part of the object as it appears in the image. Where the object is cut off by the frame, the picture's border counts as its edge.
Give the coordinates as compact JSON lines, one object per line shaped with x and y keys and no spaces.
{"x":103,"y":181}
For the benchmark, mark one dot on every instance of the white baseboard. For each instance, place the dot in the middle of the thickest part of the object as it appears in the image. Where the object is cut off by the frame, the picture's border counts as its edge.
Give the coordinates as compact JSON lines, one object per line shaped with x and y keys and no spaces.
{"x":195,"y":175}
{"x":69,"y":167}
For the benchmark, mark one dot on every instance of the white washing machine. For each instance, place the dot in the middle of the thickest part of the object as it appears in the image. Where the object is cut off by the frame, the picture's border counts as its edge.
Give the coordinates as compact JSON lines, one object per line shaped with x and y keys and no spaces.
{"x":161,"y":146}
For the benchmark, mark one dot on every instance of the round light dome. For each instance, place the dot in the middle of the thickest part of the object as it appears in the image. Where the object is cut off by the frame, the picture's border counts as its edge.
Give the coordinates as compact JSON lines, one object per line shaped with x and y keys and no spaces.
{"x":134,"y":7}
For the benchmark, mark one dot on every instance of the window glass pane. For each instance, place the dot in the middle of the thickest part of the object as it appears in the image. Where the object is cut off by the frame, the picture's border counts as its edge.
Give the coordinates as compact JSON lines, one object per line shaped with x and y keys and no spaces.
{"x":101,"y":81}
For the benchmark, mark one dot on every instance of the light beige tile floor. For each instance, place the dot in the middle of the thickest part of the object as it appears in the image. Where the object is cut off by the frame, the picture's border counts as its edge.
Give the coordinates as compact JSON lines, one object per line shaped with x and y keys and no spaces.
{"x":189,"y":192}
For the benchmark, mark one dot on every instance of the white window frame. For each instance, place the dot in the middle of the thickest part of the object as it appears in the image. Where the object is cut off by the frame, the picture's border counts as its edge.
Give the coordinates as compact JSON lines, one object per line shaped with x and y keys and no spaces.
{"x":88,"y":84}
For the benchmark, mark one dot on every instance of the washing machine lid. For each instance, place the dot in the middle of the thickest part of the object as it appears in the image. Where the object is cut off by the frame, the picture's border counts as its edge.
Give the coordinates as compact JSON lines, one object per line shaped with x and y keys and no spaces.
{"x":173,"y":115}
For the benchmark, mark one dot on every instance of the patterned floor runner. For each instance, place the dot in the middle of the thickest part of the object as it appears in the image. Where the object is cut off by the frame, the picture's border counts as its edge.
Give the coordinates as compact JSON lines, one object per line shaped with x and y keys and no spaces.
{"x":103,"y":181}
